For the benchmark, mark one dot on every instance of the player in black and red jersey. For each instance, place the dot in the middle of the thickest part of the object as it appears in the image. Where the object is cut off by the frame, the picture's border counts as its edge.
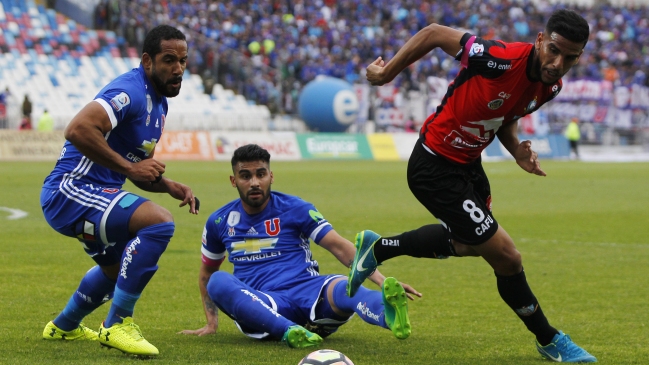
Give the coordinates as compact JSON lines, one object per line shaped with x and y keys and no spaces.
{"x":498,"y":84}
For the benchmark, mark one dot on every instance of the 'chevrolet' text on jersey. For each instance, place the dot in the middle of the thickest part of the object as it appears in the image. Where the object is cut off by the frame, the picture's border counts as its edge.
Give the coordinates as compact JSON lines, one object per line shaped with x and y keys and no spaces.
{"x":269,"y":250}
{"x":492,"y":89}
{"x":137,"y":114}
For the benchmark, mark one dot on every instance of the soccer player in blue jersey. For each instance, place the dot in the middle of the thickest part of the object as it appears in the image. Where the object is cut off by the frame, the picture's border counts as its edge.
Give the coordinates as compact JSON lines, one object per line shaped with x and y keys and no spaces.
{"x":276,"y":290}
{"x":111,"y":139}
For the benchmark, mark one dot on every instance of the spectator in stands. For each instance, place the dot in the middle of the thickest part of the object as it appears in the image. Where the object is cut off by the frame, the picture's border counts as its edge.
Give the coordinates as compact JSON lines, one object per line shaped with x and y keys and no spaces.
{"x":25,"y":124}
{"x":3,"y":110}
{"x":573,"y":134}
{"x":45,"y":122}
{"x":27,"y":108}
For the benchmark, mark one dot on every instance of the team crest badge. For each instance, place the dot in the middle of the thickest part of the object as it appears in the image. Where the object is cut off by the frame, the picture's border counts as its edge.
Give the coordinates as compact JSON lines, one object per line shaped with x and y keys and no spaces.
{"x":531,"y":106}
{"x":148,"y":120}
{"x":495,"y":104}
{"x":230,"y":231}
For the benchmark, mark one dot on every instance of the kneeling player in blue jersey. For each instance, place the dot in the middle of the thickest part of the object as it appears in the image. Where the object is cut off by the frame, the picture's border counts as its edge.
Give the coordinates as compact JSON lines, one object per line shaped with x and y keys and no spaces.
{"x":111,"y":139}
{"x":276,"y":290}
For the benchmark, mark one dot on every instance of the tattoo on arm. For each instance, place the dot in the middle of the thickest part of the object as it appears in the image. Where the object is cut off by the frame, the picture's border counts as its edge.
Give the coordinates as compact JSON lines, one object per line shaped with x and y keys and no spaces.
{"x":210,"y":307}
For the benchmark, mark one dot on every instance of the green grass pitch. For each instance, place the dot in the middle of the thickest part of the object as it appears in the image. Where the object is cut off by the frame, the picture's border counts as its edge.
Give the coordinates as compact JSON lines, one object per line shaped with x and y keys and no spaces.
{"x":583,"y":231}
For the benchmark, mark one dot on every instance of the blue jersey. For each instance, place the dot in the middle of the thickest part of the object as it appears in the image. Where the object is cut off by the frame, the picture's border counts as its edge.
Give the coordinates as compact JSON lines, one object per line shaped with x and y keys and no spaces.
{"x":269,"y":250}
{"x":137,"y":115}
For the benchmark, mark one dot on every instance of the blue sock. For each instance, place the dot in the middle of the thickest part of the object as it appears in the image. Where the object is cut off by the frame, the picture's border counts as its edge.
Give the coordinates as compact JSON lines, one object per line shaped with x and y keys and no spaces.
{"x":139,"y":264}
{"x":122,"y":307}
{"x":241,"y":303}
{"x":368,"y":304}
{"x":94,"y":290}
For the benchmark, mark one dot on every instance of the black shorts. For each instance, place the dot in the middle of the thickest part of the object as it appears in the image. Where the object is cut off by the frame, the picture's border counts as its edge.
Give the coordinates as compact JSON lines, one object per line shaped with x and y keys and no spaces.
{"x":457,"y":195}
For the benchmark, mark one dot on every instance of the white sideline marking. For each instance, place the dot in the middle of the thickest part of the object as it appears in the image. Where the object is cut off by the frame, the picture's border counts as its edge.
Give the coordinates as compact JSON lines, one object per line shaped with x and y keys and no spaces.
{"x":14,"y":213}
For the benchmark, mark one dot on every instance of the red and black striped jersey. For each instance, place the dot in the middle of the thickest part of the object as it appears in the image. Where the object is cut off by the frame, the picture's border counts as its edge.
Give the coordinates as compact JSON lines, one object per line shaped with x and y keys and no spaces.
{"x":492,"y":89}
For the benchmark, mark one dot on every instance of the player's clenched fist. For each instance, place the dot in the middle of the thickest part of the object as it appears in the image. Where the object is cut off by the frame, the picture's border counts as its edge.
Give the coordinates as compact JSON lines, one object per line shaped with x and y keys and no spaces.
{"x":147,"y":170}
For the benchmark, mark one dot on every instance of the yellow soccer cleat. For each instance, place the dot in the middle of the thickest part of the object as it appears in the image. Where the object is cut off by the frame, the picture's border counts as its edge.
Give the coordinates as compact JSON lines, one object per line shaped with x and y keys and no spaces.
{"x":127,"y":338}
{"x":81,"y":333}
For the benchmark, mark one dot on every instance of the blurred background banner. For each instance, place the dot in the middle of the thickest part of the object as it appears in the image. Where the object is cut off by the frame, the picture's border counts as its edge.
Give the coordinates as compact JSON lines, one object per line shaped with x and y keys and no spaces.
{"x":184,"y":146}
{"x":281,"y":145}
{"x":334,"y":146}
{"x":30,"y":145}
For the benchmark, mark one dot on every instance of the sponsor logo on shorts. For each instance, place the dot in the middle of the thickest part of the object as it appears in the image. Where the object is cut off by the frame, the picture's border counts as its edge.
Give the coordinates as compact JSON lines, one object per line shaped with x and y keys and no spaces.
{"x":88,"y":233}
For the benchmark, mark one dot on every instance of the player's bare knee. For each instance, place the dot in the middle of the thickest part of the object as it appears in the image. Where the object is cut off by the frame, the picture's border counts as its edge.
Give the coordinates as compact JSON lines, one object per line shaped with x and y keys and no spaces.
{"x":511,"y":263}
{"x":149,"y":214}
{"x":463,"y":250}
{"x":111,"y":271}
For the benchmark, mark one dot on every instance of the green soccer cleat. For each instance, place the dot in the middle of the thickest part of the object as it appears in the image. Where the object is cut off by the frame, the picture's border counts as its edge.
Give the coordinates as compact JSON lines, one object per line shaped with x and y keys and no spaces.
{"x":299,"y":337}
{"x":364,"y":263}
{"x":81,"y":333}
{"x":395,"y":303}
{"x":127,"y":338}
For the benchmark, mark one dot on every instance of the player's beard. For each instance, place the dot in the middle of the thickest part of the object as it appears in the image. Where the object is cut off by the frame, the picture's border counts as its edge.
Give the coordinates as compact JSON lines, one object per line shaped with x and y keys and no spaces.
{"x":254,"y":203}
{"x":165,"y":88}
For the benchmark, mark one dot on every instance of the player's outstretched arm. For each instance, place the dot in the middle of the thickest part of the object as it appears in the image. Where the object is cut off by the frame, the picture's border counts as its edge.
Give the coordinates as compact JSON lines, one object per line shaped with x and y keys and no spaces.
{"x":427,"y":39}
{"x":177,"y":190}
{"x":211,"y":312}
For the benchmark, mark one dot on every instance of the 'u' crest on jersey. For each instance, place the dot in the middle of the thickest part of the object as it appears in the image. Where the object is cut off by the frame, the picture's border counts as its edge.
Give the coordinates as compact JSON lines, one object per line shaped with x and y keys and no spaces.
{"x":272,"y":228}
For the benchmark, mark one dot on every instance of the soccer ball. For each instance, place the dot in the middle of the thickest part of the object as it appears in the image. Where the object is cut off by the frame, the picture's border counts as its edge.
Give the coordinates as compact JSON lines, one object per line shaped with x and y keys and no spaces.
{"x":326,"y":357}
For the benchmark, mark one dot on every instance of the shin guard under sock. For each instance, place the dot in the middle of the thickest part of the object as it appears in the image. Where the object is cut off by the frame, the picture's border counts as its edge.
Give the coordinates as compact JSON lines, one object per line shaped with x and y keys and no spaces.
{"x":139,"y":264}
{"x":517,"y":294}
{"x":94,"y":290}
{"x":368,"y":304}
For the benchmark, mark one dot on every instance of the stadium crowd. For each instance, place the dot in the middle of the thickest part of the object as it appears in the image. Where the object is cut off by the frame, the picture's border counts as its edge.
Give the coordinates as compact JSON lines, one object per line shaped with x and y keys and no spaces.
{"x":266,"y":49}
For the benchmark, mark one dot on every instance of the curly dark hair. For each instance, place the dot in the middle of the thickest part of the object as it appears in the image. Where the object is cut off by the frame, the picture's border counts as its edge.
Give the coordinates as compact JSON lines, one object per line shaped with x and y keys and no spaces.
{"x":157,"y":35}
{"x":569,"y":25}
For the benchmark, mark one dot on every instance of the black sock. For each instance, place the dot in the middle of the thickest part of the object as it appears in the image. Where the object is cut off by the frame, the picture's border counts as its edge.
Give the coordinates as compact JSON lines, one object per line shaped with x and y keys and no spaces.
{"x":431,"y":241}
{"x":517,"y":294}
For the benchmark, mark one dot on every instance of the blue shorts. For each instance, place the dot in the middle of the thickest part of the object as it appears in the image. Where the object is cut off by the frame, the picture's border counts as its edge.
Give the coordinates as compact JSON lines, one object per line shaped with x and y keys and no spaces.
{"x":97,"y":217}
{"x":300,"y":304}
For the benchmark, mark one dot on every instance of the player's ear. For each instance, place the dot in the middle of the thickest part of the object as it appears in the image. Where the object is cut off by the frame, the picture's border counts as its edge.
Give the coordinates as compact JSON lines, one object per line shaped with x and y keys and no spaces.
{"x":538,"y":42}
{"x":147,"y":61}
{"x":234,"y":184}
{"x":272,"y":179}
